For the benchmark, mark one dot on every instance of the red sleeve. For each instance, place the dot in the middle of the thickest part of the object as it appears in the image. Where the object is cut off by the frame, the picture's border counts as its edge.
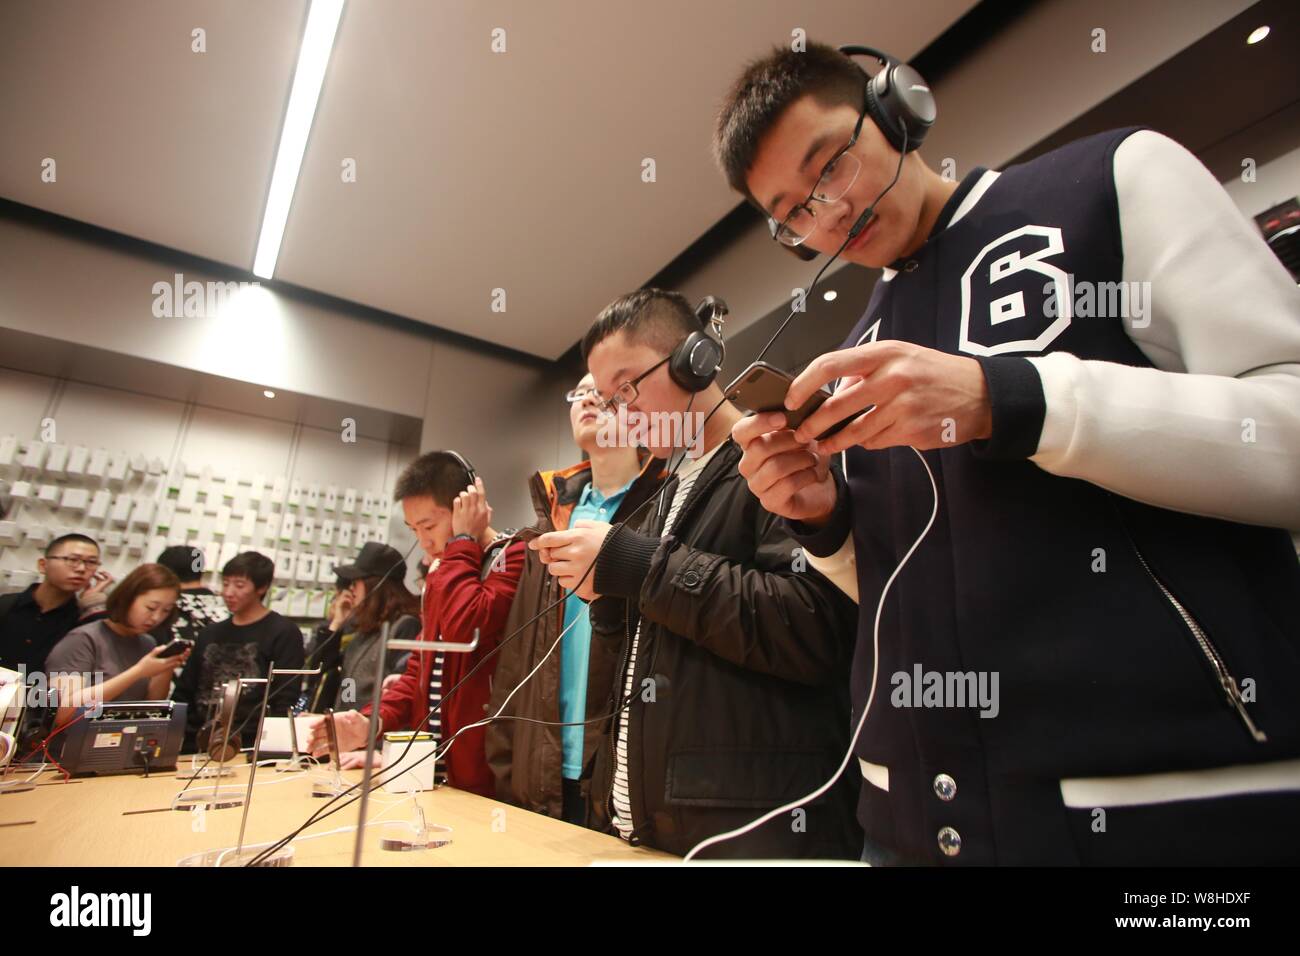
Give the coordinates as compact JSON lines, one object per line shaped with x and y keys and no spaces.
{"x":471,"y":600}
{"x":404,"y":703}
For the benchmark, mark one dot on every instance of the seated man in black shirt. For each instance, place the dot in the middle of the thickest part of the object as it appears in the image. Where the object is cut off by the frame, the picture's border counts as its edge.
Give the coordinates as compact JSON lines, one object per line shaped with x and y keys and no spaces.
{"x":245,"y":645}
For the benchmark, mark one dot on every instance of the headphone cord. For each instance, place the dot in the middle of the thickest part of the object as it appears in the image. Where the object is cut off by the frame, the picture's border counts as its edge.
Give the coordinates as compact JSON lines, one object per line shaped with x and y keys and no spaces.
{"x":854,"y":232}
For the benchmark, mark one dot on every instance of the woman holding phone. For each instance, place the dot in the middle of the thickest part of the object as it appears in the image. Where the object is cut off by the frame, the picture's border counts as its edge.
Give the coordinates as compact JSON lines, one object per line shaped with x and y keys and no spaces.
{"x":115,"y":658}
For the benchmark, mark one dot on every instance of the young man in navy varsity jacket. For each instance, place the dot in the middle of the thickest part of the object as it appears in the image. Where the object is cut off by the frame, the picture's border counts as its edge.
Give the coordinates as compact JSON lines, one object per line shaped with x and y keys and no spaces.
{"x":1106,"y":554}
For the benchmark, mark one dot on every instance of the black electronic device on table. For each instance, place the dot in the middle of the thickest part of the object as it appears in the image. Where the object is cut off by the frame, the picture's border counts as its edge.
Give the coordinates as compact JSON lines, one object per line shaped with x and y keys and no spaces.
{"x":124,"y":737}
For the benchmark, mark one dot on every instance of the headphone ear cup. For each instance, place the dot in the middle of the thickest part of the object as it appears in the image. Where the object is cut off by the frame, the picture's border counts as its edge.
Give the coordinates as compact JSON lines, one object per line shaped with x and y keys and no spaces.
{"x":878,"y":110}
{"x":694,"y":364}
{"x":897,"y":96}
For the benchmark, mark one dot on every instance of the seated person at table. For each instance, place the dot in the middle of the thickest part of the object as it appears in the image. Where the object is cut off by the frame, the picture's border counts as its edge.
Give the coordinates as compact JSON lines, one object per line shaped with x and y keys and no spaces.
{"x":470,"y":589}
{"x":245,"y":645}
{"x":115,"y":658}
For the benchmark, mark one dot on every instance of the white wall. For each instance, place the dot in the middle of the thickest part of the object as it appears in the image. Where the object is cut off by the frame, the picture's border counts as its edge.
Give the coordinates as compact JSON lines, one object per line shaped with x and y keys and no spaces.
{"x":77,"y":414}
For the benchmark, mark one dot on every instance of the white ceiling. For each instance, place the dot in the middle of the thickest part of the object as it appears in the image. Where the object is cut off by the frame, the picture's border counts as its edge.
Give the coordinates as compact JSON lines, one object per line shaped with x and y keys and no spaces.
{"x":476,"y":170}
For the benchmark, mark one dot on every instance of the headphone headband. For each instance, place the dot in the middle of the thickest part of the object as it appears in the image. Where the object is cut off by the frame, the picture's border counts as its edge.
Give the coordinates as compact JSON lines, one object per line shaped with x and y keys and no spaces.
{"x":464,"y":463}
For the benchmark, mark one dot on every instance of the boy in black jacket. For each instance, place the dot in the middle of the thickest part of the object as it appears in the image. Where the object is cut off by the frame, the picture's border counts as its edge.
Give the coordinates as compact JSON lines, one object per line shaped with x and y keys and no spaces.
{"x":733,"y":650}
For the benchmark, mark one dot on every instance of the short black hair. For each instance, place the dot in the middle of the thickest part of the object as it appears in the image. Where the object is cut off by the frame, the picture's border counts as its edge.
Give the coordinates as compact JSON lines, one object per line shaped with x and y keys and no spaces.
{"x":766,"y":89}
{"x":438,"y":474}
{"x":253,"y":565}
{"x":184,"y":561}
{"x":651,"y":316}
{"x":74,"y":536}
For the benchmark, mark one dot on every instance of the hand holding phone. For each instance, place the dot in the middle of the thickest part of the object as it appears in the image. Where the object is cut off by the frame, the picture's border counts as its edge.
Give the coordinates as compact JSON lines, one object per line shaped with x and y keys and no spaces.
{"x":762,"y":388}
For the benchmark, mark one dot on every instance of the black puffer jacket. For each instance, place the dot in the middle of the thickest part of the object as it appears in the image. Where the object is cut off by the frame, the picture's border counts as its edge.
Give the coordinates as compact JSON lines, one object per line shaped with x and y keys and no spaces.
{"x":747,"y":649}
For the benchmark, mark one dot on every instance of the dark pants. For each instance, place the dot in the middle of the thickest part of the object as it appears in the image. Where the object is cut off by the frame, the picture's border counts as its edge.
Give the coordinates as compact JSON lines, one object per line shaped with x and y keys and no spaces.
{"x":575,"y":805}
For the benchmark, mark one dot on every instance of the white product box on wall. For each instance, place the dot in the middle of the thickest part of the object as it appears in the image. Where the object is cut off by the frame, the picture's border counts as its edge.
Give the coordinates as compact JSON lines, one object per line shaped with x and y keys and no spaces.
{"x":118,"y":468}
{"x":286,"y":563}
{"x":75,"y":499}
{"x":331,"y":498}
{"x":21,"y":490}
{"x":100,"y":504}
{"x":8,"y":451}
{"x":48,"y":494}
{"x":295,"y":493}
{"x":142,"y":513}
{"x":77,"y":460}
{"x":228,"y":550}
{"x":98,"y":464}
{"x":39,"y":535}
{"x":312,"y":500}
{"x":34,"y":456}
{"x":56,"y":461}
{"x":122,"y":505}
{"x":350,"y":501}
{"x":112,"y":539}
{"x":257,"y":488}
{"x":21,"y":578}
{"x":11,"y":535}
{"x":325,"y":569}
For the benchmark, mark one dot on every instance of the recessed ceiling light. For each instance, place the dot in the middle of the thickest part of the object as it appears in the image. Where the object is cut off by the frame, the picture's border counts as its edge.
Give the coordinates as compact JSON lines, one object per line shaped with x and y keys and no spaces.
{"x":1257,"y":34}
{"x":268,"y":393}
{"x":313,"y":58}
{"x":829,"y":295}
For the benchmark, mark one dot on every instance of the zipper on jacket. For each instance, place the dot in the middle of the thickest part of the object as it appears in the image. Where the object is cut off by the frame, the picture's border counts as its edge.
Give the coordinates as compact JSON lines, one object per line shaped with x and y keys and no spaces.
{"x":1229,"y":683}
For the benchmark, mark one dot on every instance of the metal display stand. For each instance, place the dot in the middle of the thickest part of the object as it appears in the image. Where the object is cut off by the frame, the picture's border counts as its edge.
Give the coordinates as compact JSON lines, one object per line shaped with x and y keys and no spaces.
{"x":372,"y":736}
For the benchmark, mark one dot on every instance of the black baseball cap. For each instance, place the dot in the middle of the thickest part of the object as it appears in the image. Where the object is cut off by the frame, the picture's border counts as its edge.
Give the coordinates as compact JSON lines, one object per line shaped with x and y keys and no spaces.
{"x":375,"y":560}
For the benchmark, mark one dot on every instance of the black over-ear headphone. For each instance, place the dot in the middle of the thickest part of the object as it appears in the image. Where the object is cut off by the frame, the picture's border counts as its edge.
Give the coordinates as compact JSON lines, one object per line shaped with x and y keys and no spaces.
{"x":470,"y":473}
{"x":695,"y":362}
{"x":895,"y":98}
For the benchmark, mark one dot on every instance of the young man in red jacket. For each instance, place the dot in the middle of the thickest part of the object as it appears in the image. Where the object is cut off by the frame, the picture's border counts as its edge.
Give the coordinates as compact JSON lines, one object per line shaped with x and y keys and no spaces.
{"x":470,"y":588}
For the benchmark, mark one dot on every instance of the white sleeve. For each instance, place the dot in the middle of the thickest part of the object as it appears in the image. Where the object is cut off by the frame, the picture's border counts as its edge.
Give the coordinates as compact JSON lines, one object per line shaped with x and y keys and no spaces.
{"x":841,"y":568}
{"x":1214,"y":428}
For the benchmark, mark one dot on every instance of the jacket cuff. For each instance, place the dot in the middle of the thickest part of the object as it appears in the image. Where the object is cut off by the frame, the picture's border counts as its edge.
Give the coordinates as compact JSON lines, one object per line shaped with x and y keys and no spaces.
{"x":1018,"y":408}
{"x":825,"y":540}
{"x":624,"y":563}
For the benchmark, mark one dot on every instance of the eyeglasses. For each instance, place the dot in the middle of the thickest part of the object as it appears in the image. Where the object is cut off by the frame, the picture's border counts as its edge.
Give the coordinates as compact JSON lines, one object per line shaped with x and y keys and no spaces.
{"x":837,"y":178}
{"x":580,"y":394}
{"x":626,"y":393}
{"x":75,"y":562}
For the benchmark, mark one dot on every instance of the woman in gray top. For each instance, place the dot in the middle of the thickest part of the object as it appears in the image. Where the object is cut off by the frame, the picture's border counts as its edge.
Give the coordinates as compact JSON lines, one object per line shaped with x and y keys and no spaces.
{"x":115,"y":658}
